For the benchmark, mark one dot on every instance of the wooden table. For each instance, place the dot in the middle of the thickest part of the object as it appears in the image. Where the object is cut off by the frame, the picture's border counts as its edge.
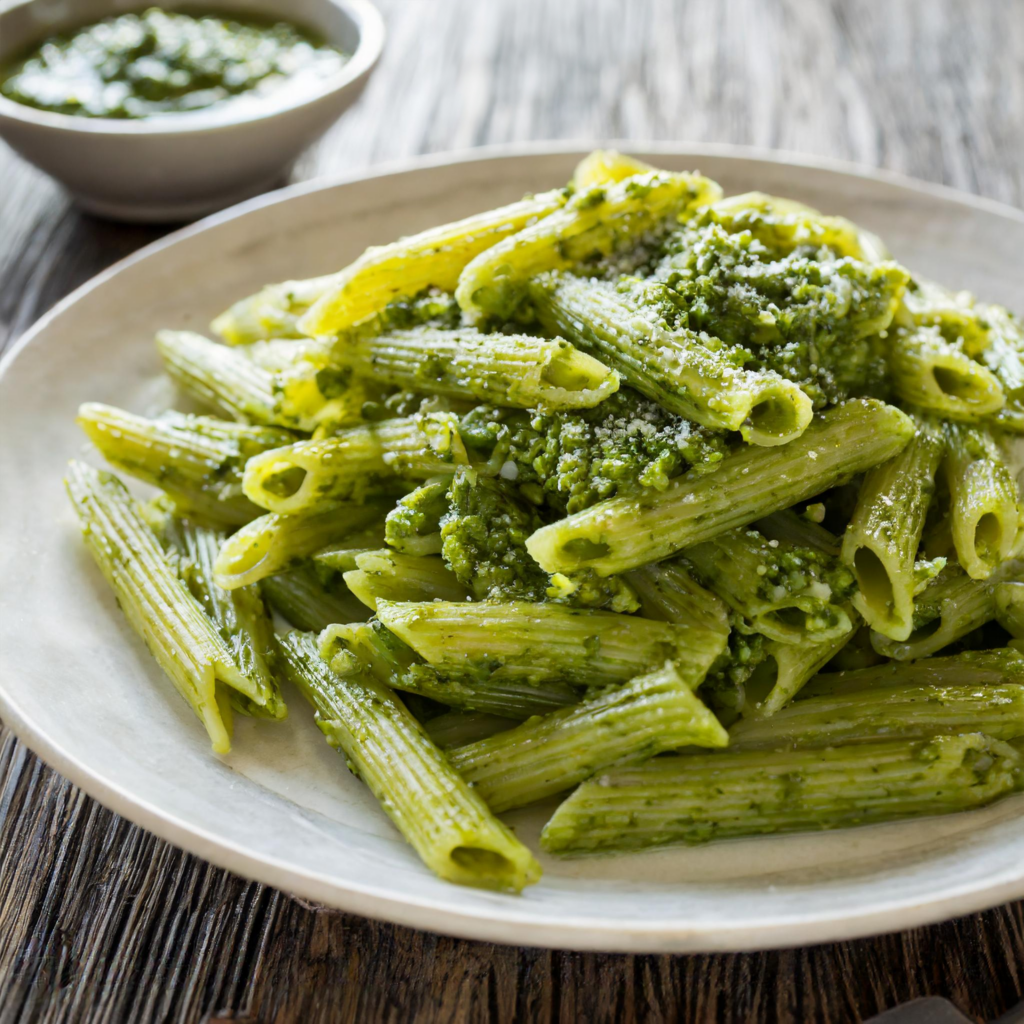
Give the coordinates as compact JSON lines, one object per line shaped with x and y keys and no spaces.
{"x":100,"y":921}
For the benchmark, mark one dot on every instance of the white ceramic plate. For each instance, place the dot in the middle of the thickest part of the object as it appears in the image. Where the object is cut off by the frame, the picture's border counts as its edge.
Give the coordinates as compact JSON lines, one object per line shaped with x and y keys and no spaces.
{"x":80,"y":689}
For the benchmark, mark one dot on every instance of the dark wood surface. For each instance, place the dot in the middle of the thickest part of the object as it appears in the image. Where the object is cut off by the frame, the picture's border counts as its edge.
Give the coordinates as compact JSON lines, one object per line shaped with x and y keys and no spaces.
{"x":99,"y":921}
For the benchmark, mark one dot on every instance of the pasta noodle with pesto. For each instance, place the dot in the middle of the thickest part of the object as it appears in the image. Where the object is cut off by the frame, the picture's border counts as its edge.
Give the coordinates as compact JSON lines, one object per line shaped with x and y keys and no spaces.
{"x":703,"y":512}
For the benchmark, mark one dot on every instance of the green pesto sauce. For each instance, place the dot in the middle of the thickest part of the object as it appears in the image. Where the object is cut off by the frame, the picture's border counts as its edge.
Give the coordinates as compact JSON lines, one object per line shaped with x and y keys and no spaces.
{"x":158,"y":62}
{"x":805,"y":312}
{"x":571,"y":459}
{"x":484,"y":537}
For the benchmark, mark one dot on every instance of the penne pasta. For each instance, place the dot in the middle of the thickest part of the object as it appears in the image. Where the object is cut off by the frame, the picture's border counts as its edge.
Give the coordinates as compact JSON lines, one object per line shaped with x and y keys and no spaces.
{"x":441,"y":817}
{"x":625,"y":532}
{"x":701,"y":510}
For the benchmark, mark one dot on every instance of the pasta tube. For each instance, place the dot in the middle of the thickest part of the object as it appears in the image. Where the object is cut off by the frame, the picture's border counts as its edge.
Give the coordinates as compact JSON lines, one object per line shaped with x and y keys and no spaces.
{"x":197,"y":460}
{"x":989,"y":334}
{"x":390,"y":576}
{"x":240,"y":616}
{"x":927,"y":304}
{"x":536,"y":642}
{"x":353,"y":648}
{"x":934,"y":374}
{"x":669,"y":593}
{"x":514,"y":370}
{"x":221,"y":378}
{"x":1003,"y":354}
{"x":787,"y":224}
{"x":790,"y":594}
{"x":697,"y":798}
{"x":274,"y":542}
{"x":793,"y":528}
{"x":156,"y":602}
{"x":272,"y":312}
{"x":953,"y":606}
{"x":627,"y":531}
{"x":985,"y":514}
{"x":341,"y":558}
{"x":889,"y":712}
{"x":880,"y":544}
{"x":673,"y":367}
{"x":440,"y":816}
{"x":225,"y":379}
{"x":648,"y":715}
{"x":594,"y":223}
{"x":309,"y":475}
{"x":979,"y":669}
{"x":604,"y":166}
{"x":789,"y":667}
{"x":435,"y":257}
{"x":413,"y":526}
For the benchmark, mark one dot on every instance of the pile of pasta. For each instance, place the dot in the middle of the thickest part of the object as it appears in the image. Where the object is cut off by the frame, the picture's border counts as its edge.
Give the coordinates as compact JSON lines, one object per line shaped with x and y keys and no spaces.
{"x":700,"y":514}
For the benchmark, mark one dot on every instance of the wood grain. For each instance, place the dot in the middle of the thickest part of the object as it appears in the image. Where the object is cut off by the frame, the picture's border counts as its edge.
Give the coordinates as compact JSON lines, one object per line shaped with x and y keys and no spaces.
{"x":99,"y":921}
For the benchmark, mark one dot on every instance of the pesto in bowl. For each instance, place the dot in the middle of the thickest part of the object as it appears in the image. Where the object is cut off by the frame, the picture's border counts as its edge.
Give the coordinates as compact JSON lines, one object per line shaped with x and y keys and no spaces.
{"x":156,"y":63}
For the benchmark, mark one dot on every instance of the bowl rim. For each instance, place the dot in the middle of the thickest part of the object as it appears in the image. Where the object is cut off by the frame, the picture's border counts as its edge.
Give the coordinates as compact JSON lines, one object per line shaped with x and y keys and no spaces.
{"x":369,"y":24}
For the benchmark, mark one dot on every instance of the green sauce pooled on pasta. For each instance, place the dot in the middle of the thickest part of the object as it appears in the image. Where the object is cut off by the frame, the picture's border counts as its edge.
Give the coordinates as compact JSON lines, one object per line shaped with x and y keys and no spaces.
{"x":162,"y":62}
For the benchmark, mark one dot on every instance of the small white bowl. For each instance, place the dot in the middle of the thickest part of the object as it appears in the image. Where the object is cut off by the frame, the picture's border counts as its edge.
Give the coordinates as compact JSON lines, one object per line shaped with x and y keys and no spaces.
{"x":181,"y":166}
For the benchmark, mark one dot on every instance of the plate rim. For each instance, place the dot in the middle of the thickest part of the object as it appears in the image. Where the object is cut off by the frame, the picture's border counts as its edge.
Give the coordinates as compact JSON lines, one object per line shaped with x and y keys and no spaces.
{"x":508,"y":925}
